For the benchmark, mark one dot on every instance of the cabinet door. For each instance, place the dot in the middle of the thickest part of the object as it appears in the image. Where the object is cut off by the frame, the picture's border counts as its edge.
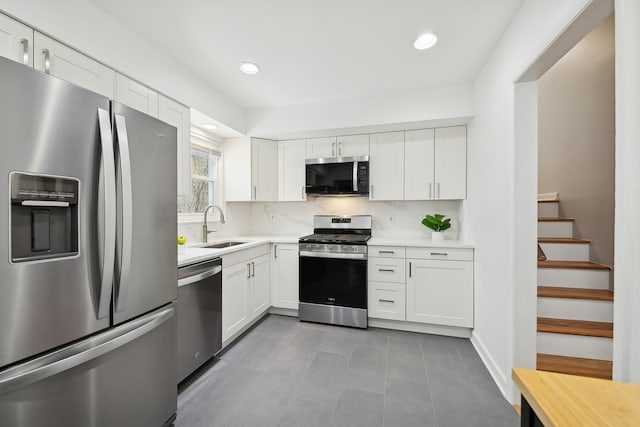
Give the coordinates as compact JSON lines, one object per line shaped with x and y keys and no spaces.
{"x":451,"y":162}
{"x":16,"y":41}
{"x":235,"y":287}
{"x":291,"y":170}
{"x":418,"y":165}
{"x":284,"y":276}
{"x":237,"y":170}
{"x":133,"y":94}
{"x":353,"y":145}
{"x":264,"y":170}
{"x":179,"y":115}
{"x":259,"y":283}
{"x":440,"y":292}
{"x":61,"y":61}
{"x":386,"y":163}
{"x":321,"y":147}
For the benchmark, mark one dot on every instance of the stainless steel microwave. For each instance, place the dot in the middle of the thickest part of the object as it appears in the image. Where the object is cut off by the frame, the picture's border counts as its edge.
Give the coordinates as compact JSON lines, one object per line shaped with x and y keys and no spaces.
{"x":338,"y":176}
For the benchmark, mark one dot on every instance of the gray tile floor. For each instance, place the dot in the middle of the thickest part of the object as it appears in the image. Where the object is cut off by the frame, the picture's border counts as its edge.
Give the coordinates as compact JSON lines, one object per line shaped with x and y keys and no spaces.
{"x":289,"y":373}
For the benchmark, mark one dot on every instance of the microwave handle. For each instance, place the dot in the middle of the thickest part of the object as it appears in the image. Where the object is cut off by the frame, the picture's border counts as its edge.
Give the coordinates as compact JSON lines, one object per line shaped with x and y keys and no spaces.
{"x":355,"y":176}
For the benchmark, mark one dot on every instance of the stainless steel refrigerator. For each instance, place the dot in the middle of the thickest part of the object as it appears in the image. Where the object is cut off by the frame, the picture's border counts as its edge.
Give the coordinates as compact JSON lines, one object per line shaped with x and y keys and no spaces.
{"x":87,"y":260}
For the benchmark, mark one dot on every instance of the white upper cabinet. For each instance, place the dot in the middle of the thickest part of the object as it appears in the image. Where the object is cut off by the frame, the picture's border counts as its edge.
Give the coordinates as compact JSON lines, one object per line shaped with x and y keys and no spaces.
{"x":450,"y":174}
{"x":16,"y":41}
{"x":179,"y":115}
{"x":436,"y":164}
{"x":63,"y":62}
{"x":386,"y":165}
{"x":250,"y":170}
{"x":418,"y":164}
{"x":135,"y":95}
{"x":352,"y":145}
{"x":264,"y":169}
{"x":291,"y":170}
{"x":322,"y":147}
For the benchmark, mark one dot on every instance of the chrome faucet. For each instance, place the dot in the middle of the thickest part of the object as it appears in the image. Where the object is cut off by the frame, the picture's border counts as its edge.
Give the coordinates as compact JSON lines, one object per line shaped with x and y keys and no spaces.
{"x":205,"y":230}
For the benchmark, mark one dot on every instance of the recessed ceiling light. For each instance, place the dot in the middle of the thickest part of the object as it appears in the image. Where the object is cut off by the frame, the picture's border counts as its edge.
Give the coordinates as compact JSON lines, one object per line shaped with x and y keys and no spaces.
{"x":209,"y":126}
{"x":425,"y":41}
{"x":249,"y":68}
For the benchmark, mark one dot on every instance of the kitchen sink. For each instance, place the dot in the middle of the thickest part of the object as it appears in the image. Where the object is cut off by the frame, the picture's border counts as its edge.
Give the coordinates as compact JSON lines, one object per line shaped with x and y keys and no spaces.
{"x":222,"y":245}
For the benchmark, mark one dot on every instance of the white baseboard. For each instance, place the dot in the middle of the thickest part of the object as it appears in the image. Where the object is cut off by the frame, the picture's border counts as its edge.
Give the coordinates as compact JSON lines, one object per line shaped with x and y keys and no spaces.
{"x":451,"y":331}
{"x":505,"y":386}
{"x":283,"y":311}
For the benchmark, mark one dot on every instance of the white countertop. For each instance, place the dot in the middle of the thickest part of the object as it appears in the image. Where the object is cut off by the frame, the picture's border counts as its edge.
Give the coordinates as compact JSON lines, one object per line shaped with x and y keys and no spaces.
{"x":196,"y":253}
{"x":419,"y":242}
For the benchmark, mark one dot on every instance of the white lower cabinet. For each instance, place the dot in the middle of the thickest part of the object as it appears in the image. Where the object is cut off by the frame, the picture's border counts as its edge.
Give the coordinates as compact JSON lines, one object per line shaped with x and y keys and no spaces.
{"x":259,"y":286}
{"x":284,"y":276}
{"x":431,"y":285}
{"x":386,"y":300}
{"x":235,"y":281}
{"x":440,"y":292}
{"x":245,"y":292}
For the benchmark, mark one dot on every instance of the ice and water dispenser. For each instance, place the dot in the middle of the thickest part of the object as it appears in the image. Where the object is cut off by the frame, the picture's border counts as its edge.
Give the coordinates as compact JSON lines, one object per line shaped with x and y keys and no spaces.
{"x":44,"y":217}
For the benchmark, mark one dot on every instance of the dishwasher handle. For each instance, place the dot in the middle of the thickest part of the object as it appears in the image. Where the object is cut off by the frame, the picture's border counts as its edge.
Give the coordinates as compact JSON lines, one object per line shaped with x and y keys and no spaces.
{"x":201,"y":276}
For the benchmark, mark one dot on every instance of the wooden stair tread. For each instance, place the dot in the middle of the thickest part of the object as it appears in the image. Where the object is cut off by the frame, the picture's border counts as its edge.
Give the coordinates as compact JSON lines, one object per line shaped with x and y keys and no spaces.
{"x":555,"y":219}
{"x":548,"y":201}
{"x":575,"y":366}
{"x":575,"y":293}
{"x":575,"y":327}
{"x":584,"y":265}
{"x":562,"y":240}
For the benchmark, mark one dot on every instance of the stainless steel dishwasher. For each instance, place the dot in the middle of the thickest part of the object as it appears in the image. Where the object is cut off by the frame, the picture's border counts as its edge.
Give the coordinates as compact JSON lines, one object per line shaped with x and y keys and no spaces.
{"x":199,"y":314}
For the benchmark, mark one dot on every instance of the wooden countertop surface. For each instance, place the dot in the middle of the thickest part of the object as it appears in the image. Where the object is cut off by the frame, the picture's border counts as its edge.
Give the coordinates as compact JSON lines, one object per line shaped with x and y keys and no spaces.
{"x":568,"y":400}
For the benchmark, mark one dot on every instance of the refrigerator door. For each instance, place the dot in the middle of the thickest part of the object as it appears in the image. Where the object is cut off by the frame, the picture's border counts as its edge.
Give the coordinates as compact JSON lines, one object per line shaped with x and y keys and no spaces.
{"x":50,"y":129}
{"x":104,"y":381}
{"x":146,"y":260}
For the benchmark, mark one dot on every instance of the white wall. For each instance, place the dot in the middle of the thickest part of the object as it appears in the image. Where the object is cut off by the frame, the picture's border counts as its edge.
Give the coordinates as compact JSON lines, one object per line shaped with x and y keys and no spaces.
{"x":87,"y":28}
{"x":492,"y":176}
{"x":626,"y":332}
{"x":430,"y":104}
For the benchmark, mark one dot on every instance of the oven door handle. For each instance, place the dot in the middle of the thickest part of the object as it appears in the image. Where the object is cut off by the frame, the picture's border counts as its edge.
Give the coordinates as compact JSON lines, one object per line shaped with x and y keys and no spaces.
{"x":309,"y":254}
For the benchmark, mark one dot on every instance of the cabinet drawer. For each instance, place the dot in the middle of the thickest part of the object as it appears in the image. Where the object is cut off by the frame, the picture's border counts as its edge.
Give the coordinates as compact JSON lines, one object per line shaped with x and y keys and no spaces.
{"x":386,"y":270}
{"x":454,"y":254}
{"x":387,"y":251}
{"x":386,"y":300}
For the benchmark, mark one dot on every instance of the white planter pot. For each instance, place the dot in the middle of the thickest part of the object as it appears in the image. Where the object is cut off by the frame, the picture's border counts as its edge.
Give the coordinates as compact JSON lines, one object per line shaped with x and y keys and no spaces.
{"x":437,"y":236}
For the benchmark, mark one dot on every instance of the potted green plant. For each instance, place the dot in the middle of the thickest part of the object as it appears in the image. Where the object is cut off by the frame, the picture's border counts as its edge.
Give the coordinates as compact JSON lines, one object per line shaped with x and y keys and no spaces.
{"x":438,"y":223}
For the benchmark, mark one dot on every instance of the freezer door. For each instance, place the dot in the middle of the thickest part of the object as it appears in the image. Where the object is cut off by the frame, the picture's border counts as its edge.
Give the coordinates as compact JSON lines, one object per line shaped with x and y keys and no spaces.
{"x":123,"y":377}
{"x":51,"y":128}
{"x":146,"y":259}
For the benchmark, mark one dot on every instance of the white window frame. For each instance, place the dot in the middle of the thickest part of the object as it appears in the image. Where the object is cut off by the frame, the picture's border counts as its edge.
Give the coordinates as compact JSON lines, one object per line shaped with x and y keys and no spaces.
{"x":204,"y":142}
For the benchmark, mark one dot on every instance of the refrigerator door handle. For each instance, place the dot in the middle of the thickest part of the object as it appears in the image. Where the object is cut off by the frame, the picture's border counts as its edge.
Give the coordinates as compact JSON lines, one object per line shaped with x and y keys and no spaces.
{"x":67,"y":358}
{"x":127,"y":212}
{"x":109,"y":249}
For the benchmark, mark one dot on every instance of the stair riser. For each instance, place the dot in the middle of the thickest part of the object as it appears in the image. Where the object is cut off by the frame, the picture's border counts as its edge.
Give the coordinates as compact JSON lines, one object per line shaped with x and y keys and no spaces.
{"x":566,"y":251}
{"x":573,"y":278}
{"x":575,"y":346}
{"x":548,"y":210}
{"x":575,"y":309}
{"x":555,"y":229}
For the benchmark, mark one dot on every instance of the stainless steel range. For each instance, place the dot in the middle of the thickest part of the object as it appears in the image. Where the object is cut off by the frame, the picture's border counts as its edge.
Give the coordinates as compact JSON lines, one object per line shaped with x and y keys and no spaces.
{"x":333,"y":271}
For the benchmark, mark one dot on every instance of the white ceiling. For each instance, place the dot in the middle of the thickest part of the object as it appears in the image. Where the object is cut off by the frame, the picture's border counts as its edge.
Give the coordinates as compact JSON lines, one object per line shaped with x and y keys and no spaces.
{"x":320,"y":51}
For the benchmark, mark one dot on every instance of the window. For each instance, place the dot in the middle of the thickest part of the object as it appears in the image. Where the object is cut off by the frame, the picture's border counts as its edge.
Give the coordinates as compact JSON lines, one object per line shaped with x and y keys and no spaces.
{"x":205,"y":182}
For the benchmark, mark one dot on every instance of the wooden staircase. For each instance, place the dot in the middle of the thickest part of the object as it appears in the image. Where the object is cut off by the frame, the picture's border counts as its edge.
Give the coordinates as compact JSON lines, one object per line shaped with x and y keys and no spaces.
{"x":575,"y":305}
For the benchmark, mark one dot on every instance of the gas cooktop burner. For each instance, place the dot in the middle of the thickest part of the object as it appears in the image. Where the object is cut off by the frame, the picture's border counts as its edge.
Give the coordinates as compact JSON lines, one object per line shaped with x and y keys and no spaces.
{"x":335,"y":238}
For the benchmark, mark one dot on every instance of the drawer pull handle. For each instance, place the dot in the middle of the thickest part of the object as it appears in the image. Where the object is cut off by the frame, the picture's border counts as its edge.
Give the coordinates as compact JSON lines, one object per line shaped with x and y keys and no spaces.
{"x":386,"y":252}
{"x":388,"y":270}
{"x":386,"y":300}
{"x":439,"y":253}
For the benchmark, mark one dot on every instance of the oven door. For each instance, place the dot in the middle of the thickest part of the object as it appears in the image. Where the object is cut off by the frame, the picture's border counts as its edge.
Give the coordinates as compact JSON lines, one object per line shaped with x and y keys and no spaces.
{"x":333,"y":281}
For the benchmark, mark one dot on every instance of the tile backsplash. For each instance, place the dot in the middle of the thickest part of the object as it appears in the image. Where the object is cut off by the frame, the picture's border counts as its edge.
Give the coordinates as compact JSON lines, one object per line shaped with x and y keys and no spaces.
{"x":390,"y":219}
